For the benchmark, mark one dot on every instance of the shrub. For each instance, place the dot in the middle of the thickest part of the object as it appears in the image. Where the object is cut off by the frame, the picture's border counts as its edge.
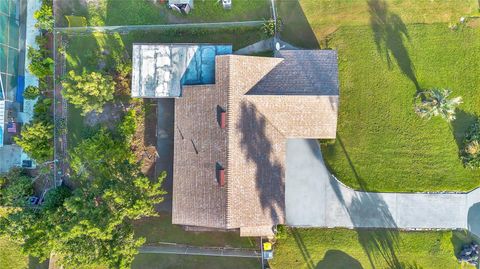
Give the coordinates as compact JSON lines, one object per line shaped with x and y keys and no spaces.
{"x":281,"y":232}
{"x":436,"y":102}
{"x":40,"y":66}
{"x":128,"y":126}
{"x":42,"y":111}
{"x":37,"y":141}
{"x":470,"y":153}
{"x":88,"y":91}
{"x":44,"y":16}
{"x":31,"y":92}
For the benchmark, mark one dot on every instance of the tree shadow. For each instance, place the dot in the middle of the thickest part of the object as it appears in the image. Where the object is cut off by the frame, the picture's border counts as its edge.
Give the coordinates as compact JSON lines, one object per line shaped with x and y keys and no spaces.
{"x":375,"y":225}
{"x":463,"y":120}
{"x":389,"y":34}
{"x":303,"y":249}
{"x":258,"y":148}
{"x":296,"y":29}
{"x":459,"y":239}
{"x":338,"y":259}
{"x":361,"y":182}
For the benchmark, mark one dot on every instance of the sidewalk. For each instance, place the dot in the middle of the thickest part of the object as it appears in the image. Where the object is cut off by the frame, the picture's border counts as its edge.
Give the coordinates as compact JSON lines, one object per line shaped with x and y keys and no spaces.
{"x":201,"y":251}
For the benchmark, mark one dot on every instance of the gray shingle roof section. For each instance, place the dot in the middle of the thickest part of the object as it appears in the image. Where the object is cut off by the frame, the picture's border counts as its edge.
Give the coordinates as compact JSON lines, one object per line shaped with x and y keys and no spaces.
{"x":302,"y":72}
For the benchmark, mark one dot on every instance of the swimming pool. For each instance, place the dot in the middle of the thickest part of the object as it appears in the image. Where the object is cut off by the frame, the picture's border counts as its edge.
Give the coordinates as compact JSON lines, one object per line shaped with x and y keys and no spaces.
{"x":201,"y":69}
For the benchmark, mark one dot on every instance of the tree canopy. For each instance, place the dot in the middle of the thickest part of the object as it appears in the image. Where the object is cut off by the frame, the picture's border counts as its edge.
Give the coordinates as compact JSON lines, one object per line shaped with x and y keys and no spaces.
{"x":88,"y":91}
{"x":91,"y":224}
{"x":37,"y":140}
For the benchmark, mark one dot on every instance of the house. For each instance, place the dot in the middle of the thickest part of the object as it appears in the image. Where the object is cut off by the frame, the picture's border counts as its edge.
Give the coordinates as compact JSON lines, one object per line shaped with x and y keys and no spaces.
{"x":230,"y":136}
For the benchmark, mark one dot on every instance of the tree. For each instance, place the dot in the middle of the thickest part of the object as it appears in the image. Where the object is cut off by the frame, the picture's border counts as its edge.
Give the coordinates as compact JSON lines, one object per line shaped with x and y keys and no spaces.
{"x":42,"y":111}
{"x":31,"y":92}
{"x":37,"y":141}
{"x":435,"y":102}
{"x":89,"y":91}
{"x":91,"y":225}
{"x":40,"y":66}
{"x":15,"y":186}
{"x":44,"y":16}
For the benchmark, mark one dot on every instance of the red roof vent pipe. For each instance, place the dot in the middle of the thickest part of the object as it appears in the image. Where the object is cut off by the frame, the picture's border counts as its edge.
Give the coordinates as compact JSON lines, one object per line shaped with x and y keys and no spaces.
{"x":223,"y":119}
{"x":221,"y":177}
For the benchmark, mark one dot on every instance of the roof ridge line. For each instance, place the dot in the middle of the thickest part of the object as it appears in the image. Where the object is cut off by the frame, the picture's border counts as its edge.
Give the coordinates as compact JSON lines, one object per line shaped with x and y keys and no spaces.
{"x":229,"y":131}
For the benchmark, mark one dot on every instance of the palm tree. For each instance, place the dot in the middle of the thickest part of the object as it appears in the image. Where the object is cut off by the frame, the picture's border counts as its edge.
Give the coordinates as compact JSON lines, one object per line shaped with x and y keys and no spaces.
{"x":435,"y":102}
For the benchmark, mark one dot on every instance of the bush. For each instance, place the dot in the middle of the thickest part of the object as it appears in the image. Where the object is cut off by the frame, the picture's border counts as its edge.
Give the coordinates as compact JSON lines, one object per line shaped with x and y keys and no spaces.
{"x":40,"y":66}
{"x":44,"y":16}
{"x":31,"y":92}
{"x":470,"y":153}
{"x":42,"y":111}
{"x":15,"y":189}
{"x":281,"y":232}
{"x":37,"y":141}
{"x":128,"y":126}
{"x":88,"y":91}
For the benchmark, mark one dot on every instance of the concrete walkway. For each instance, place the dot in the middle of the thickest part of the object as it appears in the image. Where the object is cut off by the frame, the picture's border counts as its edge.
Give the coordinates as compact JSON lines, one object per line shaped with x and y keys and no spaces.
{"x":201,"y":251}
{"x":315,"y":198}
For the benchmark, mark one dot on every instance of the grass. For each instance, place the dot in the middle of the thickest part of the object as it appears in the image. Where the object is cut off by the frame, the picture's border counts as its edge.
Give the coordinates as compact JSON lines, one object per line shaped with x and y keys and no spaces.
{"x":382,"y":145}
{"x":160,"y":229}
{"x":162,"y":261}
{"x":320,"y":18}
{"x":368,"y":249}
{"x":144,"y":12}
{"x":11,"y":257}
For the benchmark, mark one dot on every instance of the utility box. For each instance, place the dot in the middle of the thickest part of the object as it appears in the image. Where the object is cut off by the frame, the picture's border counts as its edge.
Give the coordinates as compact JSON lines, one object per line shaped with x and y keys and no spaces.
{"x":227,"y":4}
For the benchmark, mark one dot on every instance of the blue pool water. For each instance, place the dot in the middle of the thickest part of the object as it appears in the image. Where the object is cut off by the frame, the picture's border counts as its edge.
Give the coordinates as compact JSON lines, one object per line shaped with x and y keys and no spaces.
{"x":201,"y":69}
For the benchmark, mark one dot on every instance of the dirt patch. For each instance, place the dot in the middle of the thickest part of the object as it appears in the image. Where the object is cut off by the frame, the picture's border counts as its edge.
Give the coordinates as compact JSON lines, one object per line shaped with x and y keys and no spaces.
{"x":144,"y":141}
{"x":473,"y":22}
{"x":111,"y":115}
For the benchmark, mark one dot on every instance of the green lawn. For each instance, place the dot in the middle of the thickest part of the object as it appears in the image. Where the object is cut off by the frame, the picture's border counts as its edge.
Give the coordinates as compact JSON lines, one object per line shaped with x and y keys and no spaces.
{"x":11,"y":257}
{"x":382,"y":145}
{"x":161,"y":261}
{"x":144,"y":12}
{"x":160,"y":229}
{"x":368,"y":249}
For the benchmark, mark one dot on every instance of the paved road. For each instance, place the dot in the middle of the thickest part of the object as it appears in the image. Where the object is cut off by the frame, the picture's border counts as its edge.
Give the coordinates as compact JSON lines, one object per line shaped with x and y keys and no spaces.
{"x":314,"y":198}
{"x":202,"y":251}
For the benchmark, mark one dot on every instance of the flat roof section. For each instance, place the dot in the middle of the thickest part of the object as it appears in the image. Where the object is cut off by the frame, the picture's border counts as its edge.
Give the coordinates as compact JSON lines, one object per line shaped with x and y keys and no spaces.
{"x":160,"y":70}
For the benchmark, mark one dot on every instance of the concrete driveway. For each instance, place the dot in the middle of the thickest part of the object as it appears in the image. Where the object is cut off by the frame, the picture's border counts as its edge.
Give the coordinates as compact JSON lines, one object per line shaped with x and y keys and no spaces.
{"x":314,"y":198}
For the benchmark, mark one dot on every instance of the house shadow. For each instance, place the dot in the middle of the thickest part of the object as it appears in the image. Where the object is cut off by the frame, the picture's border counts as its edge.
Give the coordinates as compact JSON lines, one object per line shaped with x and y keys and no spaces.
{"x":338,"y":259}
{"x":473,"y":220}
{"x":296,"y":29}
{"x":258,"y":148}
{"x":390,"y":34}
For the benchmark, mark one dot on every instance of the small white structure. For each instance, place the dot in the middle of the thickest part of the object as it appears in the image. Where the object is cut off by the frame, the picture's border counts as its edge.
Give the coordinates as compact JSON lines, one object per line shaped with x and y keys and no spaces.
{"x":227,"y":4}
{"x":182,"y":6}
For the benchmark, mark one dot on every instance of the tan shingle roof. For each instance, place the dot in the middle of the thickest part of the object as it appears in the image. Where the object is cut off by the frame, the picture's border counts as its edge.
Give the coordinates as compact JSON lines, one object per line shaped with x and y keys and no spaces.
{"x":252,"y":149}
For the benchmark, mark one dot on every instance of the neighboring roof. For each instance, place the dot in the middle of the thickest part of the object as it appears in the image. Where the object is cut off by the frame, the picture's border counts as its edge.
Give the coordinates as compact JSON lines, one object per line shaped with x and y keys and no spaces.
{"x":160,"y":70}
{"x":303,"y":72}
{"x":252,"y":150}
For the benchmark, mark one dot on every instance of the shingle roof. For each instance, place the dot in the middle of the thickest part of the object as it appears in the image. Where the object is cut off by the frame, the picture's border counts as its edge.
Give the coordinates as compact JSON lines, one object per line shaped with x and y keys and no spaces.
{"x":303,"y":72}
{"x":252,"y":148}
